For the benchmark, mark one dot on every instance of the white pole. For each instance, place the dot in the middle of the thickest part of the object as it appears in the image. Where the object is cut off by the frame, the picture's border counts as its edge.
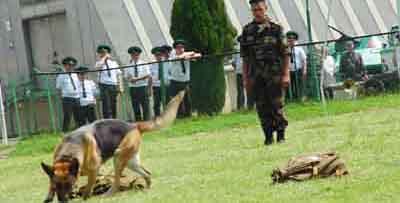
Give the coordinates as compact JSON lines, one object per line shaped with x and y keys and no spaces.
{"x":398,"y":40}
{"x":398,"y":12}
{"x":3,"y":117}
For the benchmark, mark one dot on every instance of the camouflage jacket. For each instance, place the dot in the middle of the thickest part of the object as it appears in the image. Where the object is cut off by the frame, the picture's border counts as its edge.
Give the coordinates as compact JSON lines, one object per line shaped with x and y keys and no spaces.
{"x":263,"y":47}
{"x":352,"y":66}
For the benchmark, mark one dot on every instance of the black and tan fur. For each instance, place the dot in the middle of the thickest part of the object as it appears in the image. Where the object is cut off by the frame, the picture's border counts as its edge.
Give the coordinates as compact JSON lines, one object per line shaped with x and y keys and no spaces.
{"x":84,"y":150}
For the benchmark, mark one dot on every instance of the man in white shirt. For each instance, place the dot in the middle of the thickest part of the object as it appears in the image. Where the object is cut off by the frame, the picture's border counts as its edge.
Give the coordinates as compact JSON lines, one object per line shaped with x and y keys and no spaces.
{"x":180,"y":76}
{"x":328,"y":73}
{"x":166,"y":51}
{"x":156,"y":79}
{"x":67,"y":84}
{"x":298,"y":66}
{"x":138,"y":77}
{"x":237,"y":65}
{"x":87,"y":97}
{"x":109,"y":81}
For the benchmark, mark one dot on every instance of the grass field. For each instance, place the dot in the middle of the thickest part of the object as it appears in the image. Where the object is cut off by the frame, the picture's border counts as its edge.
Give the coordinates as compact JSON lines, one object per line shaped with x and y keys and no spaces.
{"x":222,"y":159}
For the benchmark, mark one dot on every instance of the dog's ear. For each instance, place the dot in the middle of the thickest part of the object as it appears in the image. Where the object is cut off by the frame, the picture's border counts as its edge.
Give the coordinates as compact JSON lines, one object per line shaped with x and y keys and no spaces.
{"x":47,"y":169}
{"x":74,"y":167}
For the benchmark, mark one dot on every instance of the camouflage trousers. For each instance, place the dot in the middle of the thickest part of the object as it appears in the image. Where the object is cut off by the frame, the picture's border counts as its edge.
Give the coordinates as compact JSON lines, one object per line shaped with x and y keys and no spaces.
{"x":269,"y":97}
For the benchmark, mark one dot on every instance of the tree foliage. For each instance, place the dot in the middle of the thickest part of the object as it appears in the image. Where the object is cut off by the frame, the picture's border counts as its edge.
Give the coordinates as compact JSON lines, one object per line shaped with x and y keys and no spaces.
{"x":205,"y":26}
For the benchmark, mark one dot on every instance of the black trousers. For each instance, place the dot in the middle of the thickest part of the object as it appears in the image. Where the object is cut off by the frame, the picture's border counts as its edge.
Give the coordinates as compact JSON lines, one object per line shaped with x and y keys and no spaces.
{"x":296,"y":84}
{"x":109,"y":94}
{"x":140,"y":103}
{"x":240,"y":91}
{"x":329,"y":92}
{"x":70,"y":108}
{"x":87,"y":114}
{"x":157,"y":100}
{"x":185,"y":109}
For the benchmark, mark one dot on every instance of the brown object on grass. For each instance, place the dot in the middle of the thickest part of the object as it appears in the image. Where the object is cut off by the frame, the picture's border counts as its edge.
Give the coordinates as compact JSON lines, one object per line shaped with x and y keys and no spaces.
{"x":311,"y":166}
{"x":104,"y":183}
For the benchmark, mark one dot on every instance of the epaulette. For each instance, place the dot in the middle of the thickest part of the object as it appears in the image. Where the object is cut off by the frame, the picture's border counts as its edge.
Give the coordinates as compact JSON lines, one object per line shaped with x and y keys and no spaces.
{"x":276,"y":25}
{"x":249,"y":25}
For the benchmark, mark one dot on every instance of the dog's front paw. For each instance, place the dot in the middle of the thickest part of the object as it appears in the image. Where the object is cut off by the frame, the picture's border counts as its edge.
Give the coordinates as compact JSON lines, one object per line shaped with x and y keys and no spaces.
{"x":86,"y":195}
{"x":148,"y":182}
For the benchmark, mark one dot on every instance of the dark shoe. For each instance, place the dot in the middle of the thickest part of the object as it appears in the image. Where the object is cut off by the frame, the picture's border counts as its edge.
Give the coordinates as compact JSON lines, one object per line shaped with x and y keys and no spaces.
{"x":268,"y":142}
{"x":268,"y":134}
{"x":281,"y":136}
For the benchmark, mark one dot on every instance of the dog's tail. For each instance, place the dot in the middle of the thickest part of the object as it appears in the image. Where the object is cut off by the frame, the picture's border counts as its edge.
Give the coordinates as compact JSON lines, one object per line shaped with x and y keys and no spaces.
{"x":166,"y":118}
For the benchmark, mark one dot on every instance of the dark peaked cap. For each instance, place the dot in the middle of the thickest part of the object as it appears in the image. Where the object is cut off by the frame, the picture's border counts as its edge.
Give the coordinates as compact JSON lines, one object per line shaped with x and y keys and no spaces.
{"x":70,"y":60}
{"x":255,"y":1}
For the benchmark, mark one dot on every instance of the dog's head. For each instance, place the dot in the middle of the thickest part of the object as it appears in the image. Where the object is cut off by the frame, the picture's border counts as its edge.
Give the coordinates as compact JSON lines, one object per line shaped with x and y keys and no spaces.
{"x":63,"y":176}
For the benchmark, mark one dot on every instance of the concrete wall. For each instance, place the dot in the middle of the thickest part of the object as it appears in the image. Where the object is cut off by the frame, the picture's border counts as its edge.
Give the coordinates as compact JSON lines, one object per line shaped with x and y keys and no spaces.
{"x":12,"y":43}
{"x":29,"y":34}
{"x":123,"y":23}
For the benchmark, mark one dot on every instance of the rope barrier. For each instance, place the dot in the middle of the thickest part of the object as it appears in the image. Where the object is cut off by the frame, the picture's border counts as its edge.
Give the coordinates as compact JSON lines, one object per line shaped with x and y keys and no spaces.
{"x":229,"y":53}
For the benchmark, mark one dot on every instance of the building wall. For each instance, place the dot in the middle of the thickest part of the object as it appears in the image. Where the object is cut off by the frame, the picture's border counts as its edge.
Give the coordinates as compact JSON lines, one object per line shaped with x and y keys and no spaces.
{"x":38,"y":28}
{"x":12,"y":50}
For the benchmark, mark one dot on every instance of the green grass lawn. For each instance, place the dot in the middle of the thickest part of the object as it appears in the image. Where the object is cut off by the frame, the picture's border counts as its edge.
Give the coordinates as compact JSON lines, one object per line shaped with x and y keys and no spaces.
{"x":222,"y":159}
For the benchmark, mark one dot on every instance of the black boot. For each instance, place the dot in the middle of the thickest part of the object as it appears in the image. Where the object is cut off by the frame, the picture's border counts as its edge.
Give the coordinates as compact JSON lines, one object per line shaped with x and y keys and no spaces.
{"x":281,"y":136}
{"x":268,"y":133}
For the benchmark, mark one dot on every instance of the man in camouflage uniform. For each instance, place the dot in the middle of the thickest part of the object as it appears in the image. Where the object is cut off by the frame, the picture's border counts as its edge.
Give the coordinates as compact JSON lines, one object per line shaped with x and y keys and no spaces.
{"x":266,"y":69}
{"x":352,"y":65}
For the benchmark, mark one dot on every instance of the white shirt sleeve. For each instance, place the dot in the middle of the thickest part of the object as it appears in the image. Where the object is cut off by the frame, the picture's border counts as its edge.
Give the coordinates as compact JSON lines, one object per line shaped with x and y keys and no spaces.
{"x":303,"y":57}
{"x":127,"y":72}
{"x":59,"y":82}
{"x":94,"y":88}
{"x":114,"y":64}
{"x":147,"y":70}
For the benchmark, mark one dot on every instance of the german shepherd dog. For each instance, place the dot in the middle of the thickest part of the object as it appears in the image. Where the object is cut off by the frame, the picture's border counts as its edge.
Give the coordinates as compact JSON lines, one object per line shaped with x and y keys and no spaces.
{"x":84,"y":150}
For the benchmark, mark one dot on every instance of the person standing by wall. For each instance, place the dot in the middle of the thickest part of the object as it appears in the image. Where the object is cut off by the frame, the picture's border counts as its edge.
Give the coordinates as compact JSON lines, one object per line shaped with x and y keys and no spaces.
{"x":166,"y":51}
{"x":156,"y":80}
{"x":237,"y":65}
{"x":352,"y":64}
{"x":298,"y":66}
{"x":328,"y":73}
{"x":87,"y":97}
{"x":109,"y":81}
{"x":138,"y":77}
{"x":67,"y":84}
{"x":180,"y":76}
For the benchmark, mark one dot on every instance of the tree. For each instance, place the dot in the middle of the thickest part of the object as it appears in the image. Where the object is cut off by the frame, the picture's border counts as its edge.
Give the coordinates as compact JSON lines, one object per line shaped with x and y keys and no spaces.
{"x":205,"y":26}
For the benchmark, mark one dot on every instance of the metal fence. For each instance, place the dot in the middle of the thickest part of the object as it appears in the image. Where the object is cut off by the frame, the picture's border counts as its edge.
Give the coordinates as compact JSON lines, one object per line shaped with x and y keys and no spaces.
{"x":36,"y":107}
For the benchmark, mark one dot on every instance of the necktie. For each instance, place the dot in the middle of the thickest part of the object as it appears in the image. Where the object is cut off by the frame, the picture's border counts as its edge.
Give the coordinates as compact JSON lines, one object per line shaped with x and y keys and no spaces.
{"x":72,"y":81}
{"x":294,"y":59}
{"x":84,"y":89}
{"x":183,"y":65}
{"x":136,"y":70}
{"x":108,"y":67}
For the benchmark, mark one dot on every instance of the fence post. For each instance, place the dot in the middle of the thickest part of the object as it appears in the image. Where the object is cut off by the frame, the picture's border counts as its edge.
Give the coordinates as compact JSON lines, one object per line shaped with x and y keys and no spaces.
{"x":314,"y":78}
{"x":398,"y":43}
{"x":162,"y":84}
{"x":35,"y":120}
{"x":59,"y":112}
{"x":50,"y":103}
{"x":16,"y":108}
{"x":3,"y":116}
{"x":28,"y":111}
{"x":124,"y":109}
